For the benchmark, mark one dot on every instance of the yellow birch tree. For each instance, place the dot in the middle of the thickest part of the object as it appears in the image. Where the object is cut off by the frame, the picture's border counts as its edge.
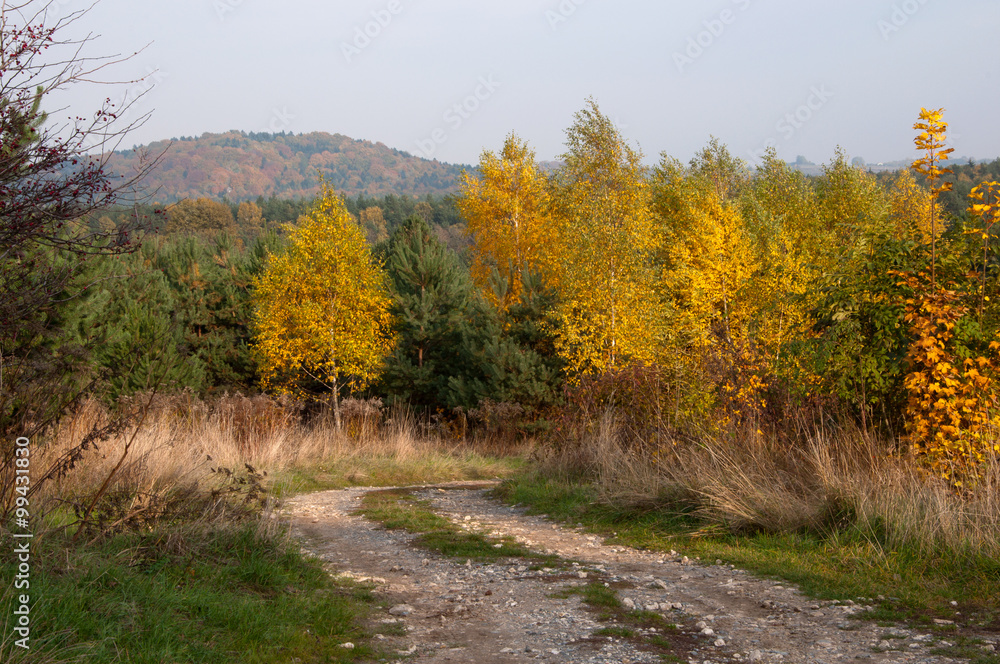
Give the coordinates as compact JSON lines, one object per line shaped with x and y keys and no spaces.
{"x":322,"y":307}
{"x":735,"y":269}
{"x":610,"y":310}
{"x":910,"y":209}
{"x":505,"y":210}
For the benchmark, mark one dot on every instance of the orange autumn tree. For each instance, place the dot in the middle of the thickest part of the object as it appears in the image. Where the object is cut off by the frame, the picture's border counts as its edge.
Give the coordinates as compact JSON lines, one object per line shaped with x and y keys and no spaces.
{"x":950,"y":393}
{"x":504,"y":207}
{"x":322,"y":311}
{"x":949,"y":399}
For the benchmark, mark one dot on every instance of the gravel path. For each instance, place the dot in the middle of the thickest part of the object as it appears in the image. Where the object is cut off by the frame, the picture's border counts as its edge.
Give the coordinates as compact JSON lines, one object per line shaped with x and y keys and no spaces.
{"x":450,"y":611}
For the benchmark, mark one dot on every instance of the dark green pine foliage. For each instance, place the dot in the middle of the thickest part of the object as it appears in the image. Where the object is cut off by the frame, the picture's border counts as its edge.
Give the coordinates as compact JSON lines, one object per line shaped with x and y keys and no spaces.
{"x":127,"y":312}
{"x":433,"y":302}
{"x":514,"y":353}
{"x":20,"y":128}
{"x":211,"y":281}
{"x":174,"y":315}
{"x":453,"y":348}
{"x":45,"y":368}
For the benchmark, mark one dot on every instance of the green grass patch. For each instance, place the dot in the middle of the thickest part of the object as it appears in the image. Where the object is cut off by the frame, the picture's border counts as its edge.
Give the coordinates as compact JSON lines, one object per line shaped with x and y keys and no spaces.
{"x":600,"y":596}
{"x":185,"y":595}
{"x":378,"y":471}
{"x":917,"y":585}
{"x":617,"y":631}
{"x":647,"y":629}
{"x":398,"y":509}
{"x":967,"y":648}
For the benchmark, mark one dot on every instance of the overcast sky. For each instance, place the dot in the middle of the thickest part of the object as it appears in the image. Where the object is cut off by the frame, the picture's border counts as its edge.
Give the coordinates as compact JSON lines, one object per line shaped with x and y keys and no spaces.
{"x":449,"y":78}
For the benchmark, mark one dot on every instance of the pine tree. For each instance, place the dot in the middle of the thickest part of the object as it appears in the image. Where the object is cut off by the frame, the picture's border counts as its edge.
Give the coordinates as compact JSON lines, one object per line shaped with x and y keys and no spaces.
{"x":126,"y":310}
{"x":432,"y":298}
{"x":512,"y":355}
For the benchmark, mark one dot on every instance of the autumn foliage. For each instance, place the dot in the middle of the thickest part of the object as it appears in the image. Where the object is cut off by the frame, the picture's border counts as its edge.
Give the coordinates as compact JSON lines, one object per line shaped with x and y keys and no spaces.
{"x":751,"y":293}
{"x":703,"y":297}
{"x":322,"y":313}
{"x":505,"y":207}
{"x":951,"y":399}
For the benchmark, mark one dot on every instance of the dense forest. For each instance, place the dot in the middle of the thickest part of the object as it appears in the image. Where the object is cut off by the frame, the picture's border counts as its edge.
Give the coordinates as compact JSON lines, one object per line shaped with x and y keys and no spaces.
{"x":245,"y":221}
{"x":759,"y":291}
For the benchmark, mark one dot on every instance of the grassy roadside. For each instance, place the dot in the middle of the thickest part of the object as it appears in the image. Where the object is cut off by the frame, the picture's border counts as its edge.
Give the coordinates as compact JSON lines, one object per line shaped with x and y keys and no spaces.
{"x":376,"y":471}
{"x":166,"y":585}
{"x":202,"y":592}
{"x":839,"y":564}
{"x":188,"y":593}
{"x":165,"y":579}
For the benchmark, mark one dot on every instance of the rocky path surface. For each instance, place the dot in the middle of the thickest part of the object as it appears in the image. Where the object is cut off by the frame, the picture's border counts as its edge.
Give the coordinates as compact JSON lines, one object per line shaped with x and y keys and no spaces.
{"x":445,"y":610}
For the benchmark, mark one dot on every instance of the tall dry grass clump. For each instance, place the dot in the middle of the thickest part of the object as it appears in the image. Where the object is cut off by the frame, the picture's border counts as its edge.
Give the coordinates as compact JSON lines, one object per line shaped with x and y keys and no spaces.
{"x":178,"y":451}
{"x":829,"y":478}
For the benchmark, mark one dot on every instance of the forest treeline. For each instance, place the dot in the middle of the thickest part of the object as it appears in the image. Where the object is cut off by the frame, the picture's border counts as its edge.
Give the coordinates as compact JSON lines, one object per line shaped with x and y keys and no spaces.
{"x":694,"y":292}
{"x":245,"y":221}
{"x":963,"y":178}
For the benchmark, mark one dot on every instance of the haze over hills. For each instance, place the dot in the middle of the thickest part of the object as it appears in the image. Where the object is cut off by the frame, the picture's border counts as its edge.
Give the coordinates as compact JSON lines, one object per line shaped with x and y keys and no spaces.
{"x":241,"y":166}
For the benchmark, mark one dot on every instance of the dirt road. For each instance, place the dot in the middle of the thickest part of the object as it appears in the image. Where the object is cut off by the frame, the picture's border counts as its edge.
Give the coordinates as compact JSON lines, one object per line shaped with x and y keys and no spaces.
{"x":458,"y":611}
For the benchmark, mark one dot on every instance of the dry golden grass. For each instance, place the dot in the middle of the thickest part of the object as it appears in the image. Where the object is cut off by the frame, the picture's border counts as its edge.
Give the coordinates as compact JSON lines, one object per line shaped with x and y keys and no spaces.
{"x":826,"y":480}
{"x":182,"y":442}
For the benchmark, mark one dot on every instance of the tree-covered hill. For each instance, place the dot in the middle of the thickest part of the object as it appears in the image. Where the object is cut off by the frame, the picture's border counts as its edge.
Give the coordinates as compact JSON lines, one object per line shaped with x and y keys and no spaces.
{"x":242,"y":166}
{"x":963,"y":177}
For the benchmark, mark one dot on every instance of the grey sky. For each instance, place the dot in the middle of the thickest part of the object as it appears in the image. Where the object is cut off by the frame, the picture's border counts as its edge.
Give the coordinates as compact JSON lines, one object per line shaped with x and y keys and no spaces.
{"x":804,"y":76}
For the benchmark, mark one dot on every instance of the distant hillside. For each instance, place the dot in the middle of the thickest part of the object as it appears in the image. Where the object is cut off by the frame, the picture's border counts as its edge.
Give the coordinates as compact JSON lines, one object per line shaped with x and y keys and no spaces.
{"x":241,"y":166}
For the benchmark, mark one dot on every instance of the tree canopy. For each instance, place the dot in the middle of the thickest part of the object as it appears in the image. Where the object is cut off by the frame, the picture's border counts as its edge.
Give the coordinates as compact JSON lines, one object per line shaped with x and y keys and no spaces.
{"x":322,"y":316}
